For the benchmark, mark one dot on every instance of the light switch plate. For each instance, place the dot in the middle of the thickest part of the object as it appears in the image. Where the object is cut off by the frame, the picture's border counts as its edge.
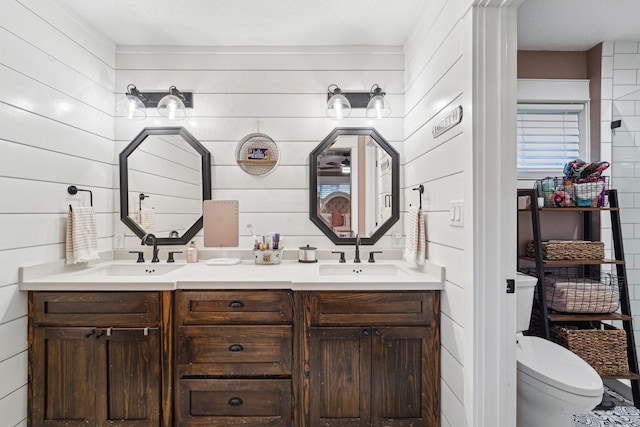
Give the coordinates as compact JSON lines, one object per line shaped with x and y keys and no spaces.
{"x":456,"y":213}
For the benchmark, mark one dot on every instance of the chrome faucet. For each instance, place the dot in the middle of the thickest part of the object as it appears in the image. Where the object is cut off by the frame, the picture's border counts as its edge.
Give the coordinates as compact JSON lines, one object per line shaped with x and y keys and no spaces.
{"x":357,"y":258}
{"x":154,"y":241}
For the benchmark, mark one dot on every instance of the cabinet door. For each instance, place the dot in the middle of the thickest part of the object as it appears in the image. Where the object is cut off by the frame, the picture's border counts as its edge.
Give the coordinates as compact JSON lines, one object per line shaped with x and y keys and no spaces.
{"x":128,"y":378}
{"x":62,"y":378}
{"x":405,"y":377}
{"x":339,"y":377}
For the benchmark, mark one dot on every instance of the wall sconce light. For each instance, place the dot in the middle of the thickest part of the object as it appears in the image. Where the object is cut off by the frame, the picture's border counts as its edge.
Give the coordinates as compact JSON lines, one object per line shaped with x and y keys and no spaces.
{"x":131,"y":106}
{"x":171,"y":105}
{"x":378,"y":106}
{"x":339,"y":104}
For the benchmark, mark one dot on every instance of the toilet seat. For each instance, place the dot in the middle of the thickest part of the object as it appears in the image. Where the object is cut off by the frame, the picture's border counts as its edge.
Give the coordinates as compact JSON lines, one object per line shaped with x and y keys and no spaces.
{"x":557,"y":367}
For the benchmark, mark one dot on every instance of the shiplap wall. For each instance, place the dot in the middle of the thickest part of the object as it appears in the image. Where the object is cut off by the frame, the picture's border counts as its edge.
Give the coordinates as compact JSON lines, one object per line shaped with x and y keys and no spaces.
{"x":56,"y":129}
{"x":434,"y":84}
{"x":277,"y":91}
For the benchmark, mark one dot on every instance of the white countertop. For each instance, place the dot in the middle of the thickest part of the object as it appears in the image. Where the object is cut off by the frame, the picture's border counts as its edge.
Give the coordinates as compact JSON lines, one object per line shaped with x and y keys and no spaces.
{"x":390,"y":275}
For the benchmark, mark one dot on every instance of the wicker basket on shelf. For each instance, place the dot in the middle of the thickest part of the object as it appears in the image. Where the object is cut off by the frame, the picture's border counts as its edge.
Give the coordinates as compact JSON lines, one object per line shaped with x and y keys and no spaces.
{"x":604,"y":347}
{"x":568,"y":250}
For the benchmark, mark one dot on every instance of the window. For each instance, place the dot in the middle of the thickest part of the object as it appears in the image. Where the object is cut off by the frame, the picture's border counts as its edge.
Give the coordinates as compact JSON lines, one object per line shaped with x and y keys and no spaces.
{"x":550,"y":135}
{"x":553,"y":126}
{"x":326,"y":189}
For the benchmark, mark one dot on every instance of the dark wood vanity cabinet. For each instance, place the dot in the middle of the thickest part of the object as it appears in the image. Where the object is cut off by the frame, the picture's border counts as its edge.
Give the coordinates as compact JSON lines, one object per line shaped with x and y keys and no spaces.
{"x":371,"y":359}
{"x":252,"y":358}
{"x":234,"y":358}
{"x":95,"y":359}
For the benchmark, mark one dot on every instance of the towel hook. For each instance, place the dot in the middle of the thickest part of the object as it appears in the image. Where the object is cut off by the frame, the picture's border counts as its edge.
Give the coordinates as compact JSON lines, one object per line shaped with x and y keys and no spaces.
{"x":72,"y":189}
{"x":420,"y":189}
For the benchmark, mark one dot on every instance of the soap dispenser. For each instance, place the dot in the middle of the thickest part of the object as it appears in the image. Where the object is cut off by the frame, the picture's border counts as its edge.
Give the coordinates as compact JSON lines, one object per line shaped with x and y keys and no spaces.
{"x":192,"y":252}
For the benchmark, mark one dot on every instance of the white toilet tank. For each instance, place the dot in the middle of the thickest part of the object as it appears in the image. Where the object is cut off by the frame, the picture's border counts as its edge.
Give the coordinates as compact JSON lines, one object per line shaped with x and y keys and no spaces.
{"x":525,"y":286}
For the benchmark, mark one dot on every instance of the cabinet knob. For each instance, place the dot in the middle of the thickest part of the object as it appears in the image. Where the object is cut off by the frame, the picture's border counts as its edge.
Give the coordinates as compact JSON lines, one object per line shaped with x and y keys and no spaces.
{"x":236,"y":347}
{"x":365,"y":333}
{"x":235,"y":401}
{"x":236,"y":304}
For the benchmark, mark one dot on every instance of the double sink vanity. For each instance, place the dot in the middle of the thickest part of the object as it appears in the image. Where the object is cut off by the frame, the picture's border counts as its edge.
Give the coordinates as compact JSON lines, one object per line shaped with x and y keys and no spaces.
{"x":117,"y":343}
{"x":120,"y":343}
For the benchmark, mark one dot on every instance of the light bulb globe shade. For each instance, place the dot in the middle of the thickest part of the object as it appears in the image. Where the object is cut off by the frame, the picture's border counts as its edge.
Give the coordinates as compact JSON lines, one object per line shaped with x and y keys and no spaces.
{"x":378,"y":107}
{"x":131,"y":107}
{"x":172,"y":108}
{"x":338,"y":107}
{"x":346,"y":169}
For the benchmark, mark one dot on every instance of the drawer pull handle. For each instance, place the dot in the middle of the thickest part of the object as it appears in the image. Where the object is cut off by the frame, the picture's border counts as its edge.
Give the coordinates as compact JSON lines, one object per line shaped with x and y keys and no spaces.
{"x":236,"y":347}
{"x":235,"y":401}
{"x":236,"y":304}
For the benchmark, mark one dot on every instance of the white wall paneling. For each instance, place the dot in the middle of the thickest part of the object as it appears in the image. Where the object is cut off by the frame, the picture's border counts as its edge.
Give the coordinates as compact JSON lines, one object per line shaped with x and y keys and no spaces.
{"x":56,"y":130}
{"x":13,"y":407}
{"x":434,"y":79}
{"x":279,"y":129}
{"x":260,"y":58}
{"x":62,"y":38}
{"x":13,"y":372}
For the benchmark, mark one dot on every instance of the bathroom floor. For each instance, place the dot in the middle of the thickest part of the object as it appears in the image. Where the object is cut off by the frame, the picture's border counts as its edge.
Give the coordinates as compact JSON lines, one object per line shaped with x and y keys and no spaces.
{"x":623,"y":415}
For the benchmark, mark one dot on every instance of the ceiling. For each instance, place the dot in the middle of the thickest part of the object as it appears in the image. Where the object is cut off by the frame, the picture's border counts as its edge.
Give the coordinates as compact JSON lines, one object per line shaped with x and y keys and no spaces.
{"x":576,"y":24}
{"x":250,"y":22}
{"x":542,"y":24}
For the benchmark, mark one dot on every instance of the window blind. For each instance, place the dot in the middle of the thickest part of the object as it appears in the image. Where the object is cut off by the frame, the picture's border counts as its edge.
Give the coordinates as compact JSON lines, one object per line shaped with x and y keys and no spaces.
{"x":548,"y":136}
{"x":326,"y":189}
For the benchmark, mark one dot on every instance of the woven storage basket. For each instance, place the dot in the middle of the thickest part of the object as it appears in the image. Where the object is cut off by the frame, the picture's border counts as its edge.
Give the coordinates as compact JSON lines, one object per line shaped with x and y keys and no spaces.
{"x":604,"y":349}
{"x":568,"y":250}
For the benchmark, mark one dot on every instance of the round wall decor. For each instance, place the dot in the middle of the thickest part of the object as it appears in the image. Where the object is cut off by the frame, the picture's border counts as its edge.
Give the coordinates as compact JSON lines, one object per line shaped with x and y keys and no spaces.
{"x":257,"y":154}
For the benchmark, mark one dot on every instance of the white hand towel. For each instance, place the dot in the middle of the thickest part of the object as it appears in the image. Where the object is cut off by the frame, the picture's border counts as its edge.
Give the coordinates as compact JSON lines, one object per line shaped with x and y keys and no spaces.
{"x":416,"y":242}
{"x":148,"y":220}
{"x":82,"y":236}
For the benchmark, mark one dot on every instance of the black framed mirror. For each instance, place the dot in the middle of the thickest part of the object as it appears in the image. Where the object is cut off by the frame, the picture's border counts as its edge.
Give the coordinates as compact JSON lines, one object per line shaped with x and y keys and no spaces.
{"x":165,"y":175}
{"x":354,"y":186}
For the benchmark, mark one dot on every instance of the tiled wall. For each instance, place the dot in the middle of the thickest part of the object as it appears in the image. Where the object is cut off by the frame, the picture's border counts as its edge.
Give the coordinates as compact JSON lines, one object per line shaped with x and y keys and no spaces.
{"x":56,"y":129}
{"x":621,"y":101}
{"x":434,"y":80}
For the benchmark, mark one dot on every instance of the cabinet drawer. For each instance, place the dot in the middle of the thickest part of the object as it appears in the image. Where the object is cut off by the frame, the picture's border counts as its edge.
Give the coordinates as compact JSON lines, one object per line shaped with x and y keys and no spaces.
{"x":374,"y":308}
{"x":235,"y":350}
{"x":234,"y":307}
{"x":250,"y":403}
{"x":96,"y":308}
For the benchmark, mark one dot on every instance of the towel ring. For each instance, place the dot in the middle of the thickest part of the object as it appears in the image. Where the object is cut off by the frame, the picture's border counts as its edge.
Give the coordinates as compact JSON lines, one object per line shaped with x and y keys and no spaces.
{"x":73,"y":190}
{"x":420,"y":189}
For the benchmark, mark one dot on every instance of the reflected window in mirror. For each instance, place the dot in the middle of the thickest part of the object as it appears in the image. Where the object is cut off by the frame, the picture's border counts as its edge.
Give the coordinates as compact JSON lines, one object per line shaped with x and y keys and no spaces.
{"x":165,"y":174}
{"x":354,"y":185}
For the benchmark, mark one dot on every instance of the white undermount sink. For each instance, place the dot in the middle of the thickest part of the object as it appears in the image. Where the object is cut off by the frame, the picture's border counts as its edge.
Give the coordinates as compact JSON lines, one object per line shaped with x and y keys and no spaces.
{"x":134,"y":270}
{"x":364,"y":269}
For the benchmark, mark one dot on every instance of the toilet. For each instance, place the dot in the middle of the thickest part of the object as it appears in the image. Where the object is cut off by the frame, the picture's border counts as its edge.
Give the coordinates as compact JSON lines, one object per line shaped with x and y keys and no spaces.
{"x":553,"y":382}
